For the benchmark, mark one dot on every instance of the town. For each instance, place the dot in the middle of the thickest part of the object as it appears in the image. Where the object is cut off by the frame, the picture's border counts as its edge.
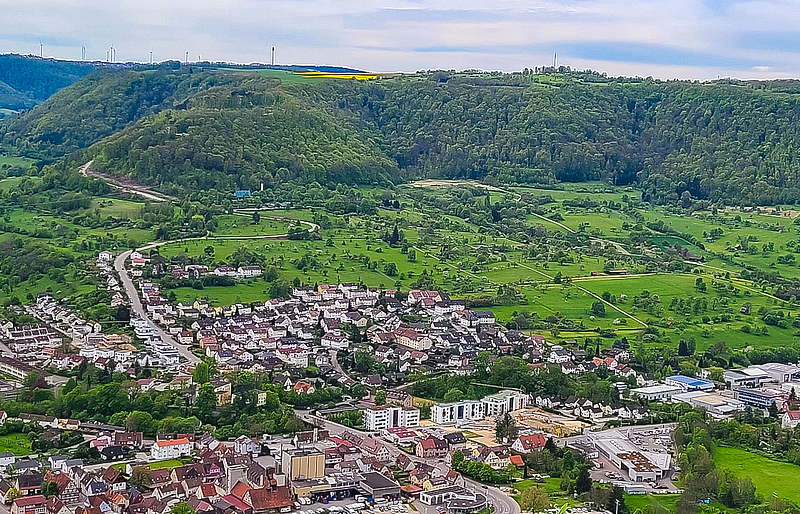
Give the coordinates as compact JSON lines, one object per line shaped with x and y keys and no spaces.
{"x":402,"y":452}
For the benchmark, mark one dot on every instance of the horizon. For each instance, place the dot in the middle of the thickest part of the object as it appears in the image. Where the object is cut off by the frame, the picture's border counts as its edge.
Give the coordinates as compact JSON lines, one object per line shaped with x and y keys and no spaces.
{"x":281,"y":67}
{"x":687,"y":39}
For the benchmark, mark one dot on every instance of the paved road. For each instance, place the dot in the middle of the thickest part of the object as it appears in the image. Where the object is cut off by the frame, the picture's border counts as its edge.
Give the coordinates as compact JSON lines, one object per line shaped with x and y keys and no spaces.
{"x":503,"y":504}
{"x":133,"y":294}
{"x":138,"y":309}
{"x":335,"y":362}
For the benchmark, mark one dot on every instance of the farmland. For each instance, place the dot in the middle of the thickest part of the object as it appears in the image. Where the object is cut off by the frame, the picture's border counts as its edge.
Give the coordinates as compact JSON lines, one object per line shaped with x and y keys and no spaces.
{"x":18,"y":444}
{"x":582,"y":261}
{"x":557,"y":284}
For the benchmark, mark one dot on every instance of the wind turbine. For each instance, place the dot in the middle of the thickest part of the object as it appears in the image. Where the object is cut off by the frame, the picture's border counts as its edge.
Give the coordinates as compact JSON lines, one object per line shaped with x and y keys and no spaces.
{"x":41,"y":49}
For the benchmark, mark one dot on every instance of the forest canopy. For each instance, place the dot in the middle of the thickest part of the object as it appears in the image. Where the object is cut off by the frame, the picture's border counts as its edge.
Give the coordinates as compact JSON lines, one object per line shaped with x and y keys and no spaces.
{"x":182,"y":130}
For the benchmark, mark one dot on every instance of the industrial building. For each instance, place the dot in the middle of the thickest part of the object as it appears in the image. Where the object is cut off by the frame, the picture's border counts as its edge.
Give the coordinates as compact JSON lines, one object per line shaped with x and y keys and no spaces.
{"x":656,"y":392}
{"x":715,"y":404}
{"x":689,"y":383}
{"x":640,"y":466}
{"x":456,"y":499}
{"x":761,"y":398}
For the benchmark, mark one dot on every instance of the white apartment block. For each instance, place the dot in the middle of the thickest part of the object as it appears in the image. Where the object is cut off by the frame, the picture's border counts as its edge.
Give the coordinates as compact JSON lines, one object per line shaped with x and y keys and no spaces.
{"x":505,"y":401}
{"x":381,"y":418}
{"x":457,"y":412}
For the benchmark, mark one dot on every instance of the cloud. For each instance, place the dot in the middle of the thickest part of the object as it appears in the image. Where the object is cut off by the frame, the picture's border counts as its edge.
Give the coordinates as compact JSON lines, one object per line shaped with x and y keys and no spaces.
{"x":680,"y":38}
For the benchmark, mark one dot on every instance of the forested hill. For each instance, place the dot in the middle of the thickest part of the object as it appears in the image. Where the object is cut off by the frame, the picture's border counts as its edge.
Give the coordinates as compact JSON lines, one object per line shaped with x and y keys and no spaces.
{"x":27,"y":81}
{"x":733,"y":142}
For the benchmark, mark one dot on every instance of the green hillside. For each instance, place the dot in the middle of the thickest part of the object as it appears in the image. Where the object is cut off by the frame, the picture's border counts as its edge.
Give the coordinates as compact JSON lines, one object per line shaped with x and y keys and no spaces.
{"x":735,"y":143}
{"x":26,"y":81}
{"x":240,"y":136}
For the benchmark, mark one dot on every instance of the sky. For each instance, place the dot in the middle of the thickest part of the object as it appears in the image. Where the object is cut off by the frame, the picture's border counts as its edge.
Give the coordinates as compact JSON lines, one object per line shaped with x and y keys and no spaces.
{"x":690,"y":39}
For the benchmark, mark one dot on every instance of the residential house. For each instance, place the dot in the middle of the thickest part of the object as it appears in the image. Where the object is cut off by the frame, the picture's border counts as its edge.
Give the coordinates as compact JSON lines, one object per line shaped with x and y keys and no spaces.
{"x":432,"y":448}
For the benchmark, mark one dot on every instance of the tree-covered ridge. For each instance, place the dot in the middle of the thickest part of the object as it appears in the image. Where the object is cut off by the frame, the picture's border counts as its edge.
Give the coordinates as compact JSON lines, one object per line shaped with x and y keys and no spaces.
{"x":731,"y":142}
{"x":726,"y":142}
{"x":27,"y":81}
{"x":99,"y":105}
{"x":242,"y":136}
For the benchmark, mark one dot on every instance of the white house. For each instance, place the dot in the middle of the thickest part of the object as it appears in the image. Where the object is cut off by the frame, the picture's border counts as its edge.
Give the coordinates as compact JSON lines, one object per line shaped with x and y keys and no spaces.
{"x":248,"y":271}
{"x":171,"y":449}
{"x":790,"y":419}
{"x":558,"y":355}
{"x":244,"y":444}
{"x":6,"y":459}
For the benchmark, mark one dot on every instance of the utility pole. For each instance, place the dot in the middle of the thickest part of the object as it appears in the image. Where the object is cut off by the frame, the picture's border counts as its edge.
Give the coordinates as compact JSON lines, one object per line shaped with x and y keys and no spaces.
{"x":616,"y":511}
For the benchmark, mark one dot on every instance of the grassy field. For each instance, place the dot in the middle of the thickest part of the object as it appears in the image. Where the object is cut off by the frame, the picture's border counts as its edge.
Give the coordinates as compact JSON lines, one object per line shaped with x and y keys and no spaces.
{"x":162,"y":464}
{"x":118,"y":208}
{"x":552,"y":487}
{"x":22,"y":162}
{"x":234,"y":225}
{"x":768,"y":476}
{"x":640,"y":502}
{"x":18,"y":444}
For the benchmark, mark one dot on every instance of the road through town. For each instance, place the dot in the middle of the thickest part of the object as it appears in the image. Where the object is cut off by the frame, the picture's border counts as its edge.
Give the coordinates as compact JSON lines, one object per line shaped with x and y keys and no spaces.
{"x":502,"y":503}
{"x":138,"y":308}
{"x":133,"y":295}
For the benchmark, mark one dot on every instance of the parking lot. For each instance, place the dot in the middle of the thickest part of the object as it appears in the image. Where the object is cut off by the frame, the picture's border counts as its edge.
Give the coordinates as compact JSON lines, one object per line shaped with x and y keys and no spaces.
{"x":652,"y":439}
{"x":352,"y":506}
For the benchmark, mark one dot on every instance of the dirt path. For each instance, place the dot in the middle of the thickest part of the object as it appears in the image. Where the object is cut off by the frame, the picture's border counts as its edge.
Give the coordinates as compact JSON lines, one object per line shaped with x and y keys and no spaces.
{"x":579,"y":288}
{"x":126,"y":186}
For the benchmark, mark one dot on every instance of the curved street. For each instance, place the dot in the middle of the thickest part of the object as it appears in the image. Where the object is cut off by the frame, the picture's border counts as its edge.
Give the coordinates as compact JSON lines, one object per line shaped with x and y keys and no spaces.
{"x":133,"y":294}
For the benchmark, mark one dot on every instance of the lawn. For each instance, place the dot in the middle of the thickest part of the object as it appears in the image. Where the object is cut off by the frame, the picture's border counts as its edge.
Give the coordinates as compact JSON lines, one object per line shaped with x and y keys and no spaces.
{"x":18,"y":444}
{"x":640,"y":502}
{"x":162,"y":464}
{"x":552,"y":487}
{"x":118,"y":208}
{"x":768,"y":476}
{"x":22,"y":162}
{"x":235,"y":225}
{"x":168,"y":464}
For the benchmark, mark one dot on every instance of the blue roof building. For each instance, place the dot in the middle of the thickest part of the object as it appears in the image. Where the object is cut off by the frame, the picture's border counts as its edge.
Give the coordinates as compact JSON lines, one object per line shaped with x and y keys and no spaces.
{"x":241,"y":193}
{"x":689,"y":383}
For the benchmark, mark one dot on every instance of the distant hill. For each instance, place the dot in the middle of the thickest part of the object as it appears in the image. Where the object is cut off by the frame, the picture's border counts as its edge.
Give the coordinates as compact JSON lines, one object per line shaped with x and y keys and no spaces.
{"x":98,"y":105}
{"x":180,"y":128}
{"x":26,"y":81}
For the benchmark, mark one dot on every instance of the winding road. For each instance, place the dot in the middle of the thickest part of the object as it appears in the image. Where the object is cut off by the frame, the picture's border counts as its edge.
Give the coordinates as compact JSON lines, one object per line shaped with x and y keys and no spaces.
{"x":133,"y":295}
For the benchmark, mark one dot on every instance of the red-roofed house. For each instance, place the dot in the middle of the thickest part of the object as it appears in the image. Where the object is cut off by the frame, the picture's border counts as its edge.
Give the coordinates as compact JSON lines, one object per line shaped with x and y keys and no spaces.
{"x":790,"y":418}
{"x":171,"y":449}
{"x":432,"y":447}
{"x":269,"y":499}
{"x":304,"y":387}
{"x":528,"y":443}
{"x":36,"y":504}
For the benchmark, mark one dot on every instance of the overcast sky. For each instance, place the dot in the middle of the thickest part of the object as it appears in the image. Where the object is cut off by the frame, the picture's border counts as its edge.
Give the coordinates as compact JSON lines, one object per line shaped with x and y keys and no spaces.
{"x":700,"y":39}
